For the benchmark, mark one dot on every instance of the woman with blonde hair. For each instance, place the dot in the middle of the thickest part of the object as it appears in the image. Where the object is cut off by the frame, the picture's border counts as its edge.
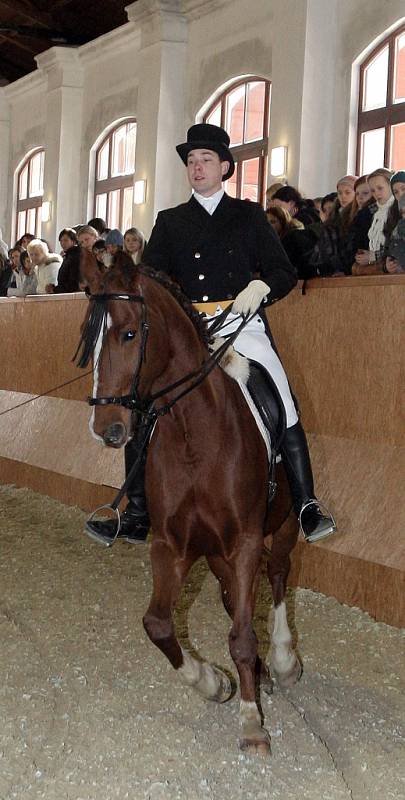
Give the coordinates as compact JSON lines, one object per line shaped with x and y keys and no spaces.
{"x":356,"y":220}
{"x":134,"y":243}
{"x":370,"y":260}
{"x":46,"y":264}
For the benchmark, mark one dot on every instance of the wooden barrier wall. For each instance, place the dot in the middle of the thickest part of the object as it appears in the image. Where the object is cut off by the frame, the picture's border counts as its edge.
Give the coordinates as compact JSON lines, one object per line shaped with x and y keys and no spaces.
{"x":342,"y":346}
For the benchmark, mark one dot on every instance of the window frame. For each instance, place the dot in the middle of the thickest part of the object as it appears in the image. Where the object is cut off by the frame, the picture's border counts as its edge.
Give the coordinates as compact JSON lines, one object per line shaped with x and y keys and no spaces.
{"x":245,"y":151}
{"x":28,"y":203}
{"x":385,"y":116}
{"x":112,"y":183}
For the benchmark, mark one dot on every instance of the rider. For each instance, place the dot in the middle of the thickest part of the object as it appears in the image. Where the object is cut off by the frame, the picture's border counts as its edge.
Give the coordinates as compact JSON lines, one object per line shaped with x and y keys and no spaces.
{"x":212,"y":246}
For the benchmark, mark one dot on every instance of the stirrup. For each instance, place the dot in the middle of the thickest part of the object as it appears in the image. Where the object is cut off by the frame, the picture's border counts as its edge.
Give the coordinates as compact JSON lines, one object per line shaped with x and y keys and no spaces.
{"x":322,"y":534}
{"x":98,"y":537}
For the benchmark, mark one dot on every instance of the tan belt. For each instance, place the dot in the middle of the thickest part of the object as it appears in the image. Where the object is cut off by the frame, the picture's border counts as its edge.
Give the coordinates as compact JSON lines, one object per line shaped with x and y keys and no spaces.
{"x":210,"y":308}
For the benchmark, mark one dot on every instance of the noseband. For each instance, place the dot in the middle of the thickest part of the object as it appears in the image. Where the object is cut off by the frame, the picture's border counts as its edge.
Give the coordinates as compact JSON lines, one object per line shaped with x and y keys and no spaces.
{"x":144,"y":407}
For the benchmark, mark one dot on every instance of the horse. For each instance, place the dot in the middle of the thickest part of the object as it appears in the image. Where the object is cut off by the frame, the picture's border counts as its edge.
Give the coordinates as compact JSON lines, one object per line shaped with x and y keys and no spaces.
{"x":206,"y":474}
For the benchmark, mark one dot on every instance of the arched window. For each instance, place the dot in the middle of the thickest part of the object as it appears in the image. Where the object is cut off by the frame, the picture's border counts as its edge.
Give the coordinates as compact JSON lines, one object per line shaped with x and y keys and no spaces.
{"x":30,"y":188}
{"x":381,"y":125}
{"x":114,"y":184}
{"x":243,"y":110}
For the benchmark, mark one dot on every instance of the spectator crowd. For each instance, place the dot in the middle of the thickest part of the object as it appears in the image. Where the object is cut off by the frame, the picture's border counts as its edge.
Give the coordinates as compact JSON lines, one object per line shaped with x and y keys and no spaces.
{"x":357,"y":230}
{"x":31,"y":268}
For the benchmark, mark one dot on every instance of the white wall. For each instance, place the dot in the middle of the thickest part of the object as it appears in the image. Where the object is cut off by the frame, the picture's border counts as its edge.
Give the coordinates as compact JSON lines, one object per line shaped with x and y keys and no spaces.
{"x":164,"y":65}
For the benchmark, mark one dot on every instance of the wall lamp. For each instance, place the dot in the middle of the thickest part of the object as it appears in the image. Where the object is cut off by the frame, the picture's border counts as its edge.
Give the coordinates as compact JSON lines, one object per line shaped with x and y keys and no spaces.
{"x":278,"y":161}
{"x":139,"y":192}
{"x":46,"y":211}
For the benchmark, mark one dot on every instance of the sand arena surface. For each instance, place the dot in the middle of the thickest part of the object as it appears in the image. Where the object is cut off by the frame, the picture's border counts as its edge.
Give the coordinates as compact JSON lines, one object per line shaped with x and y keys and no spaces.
{"x":90,"y":710}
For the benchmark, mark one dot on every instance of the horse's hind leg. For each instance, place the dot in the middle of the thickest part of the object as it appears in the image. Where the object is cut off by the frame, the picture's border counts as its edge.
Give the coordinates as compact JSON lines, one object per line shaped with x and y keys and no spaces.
{"x":169,"y":573}
{"x":238,"y":586}
{"x":223,"y":573}
{"x":285,"y":664}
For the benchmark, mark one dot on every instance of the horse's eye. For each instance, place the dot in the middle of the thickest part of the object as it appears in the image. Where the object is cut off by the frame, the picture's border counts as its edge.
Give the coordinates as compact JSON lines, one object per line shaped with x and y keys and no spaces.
{"x":128,"y":336}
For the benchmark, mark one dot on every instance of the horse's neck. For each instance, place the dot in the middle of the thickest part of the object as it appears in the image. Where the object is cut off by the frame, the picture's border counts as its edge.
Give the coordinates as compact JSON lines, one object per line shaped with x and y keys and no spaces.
{"x":188,"y":354}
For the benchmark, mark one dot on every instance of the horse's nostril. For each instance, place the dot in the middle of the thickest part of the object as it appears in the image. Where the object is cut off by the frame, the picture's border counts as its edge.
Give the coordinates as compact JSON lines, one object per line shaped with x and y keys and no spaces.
{"x":115,"y":435}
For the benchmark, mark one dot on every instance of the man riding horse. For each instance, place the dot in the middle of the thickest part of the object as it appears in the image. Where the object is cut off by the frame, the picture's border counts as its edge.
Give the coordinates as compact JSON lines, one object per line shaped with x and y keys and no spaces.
{"x":213,"y":246}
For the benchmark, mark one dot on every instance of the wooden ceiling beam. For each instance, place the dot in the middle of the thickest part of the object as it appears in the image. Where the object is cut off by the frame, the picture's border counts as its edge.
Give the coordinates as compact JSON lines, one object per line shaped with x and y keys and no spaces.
{"x":15,"y":41}
{"x":57,"y":4}
{"x":26,"y":9}
{"x":9,"y":40}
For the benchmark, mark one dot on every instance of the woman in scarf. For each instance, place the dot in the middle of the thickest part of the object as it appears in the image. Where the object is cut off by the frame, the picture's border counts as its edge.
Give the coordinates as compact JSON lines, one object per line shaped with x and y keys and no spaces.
{"x":371,"y":261}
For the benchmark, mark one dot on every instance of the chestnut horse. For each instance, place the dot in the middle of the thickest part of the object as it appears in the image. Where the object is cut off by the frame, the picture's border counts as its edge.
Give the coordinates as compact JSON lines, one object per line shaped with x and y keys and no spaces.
{"x":206,"y":474}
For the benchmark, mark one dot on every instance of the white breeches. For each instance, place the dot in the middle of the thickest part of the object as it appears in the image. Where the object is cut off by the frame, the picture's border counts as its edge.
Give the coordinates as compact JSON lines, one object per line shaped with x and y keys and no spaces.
{"x":254,"y":343}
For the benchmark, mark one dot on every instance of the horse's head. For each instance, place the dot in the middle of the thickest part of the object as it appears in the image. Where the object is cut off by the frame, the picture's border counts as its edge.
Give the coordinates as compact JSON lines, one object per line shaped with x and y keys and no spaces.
{"x":115,"y":334}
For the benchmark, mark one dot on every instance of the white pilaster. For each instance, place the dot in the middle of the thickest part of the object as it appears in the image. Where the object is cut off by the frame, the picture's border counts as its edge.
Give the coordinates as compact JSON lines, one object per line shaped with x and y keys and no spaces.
{"x":320,"y":162}
{"x":62,"y":138}
{"x":288,"y":47}
{"x":160,"y":113}
{"x":4,"y":165}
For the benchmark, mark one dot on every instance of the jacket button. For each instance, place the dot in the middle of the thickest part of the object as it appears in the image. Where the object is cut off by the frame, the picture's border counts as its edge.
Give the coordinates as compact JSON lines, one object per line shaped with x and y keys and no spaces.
{"x":201,"y":277}
{"x":230,"y":274}
{"x":205,"y":298}
{"x":197,"y":255}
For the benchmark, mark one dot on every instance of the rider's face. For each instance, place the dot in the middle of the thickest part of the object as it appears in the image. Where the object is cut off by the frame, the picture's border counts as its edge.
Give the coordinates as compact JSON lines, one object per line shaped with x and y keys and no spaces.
{"x":205,"y":171}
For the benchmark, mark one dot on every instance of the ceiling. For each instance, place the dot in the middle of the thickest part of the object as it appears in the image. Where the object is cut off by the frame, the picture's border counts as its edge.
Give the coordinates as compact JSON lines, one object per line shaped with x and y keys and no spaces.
{"x":28,"y":28}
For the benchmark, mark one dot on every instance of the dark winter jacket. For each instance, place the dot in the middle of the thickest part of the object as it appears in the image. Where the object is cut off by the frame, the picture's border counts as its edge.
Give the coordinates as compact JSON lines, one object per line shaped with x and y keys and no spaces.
{"x":69,"y":272}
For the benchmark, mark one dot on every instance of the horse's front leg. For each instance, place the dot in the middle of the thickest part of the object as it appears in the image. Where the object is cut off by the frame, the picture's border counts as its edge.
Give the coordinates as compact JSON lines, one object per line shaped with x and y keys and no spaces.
{"x":169,"y":573}
{"x":243,"y":648}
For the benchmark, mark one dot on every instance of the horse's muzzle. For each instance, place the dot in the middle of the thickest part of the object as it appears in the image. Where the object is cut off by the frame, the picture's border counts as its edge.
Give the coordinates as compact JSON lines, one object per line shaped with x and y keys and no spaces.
{"x":115,"y":435}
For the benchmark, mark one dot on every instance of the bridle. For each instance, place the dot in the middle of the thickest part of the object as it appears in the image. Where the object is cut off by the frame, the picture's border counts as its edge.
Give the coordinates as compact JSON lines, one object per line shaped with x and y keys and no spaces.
{"x":145,"y":407}
{"x":132,"y":400}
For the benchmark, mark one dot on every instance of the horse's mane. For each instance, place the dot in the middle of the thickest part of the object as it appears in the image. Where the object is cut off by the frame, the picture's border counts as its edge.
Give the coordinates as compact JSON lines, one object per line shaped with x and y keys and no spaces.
{"x":124,"y":268}
{"x":126,"y":272}
{"x":194,"y":316}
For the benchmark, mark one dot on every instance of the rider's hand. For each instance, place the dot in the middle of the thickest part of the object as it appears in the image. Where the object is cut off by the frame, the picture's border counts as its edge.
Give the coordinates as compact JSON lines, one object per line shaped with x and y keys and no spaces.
{"x":250,"y":299}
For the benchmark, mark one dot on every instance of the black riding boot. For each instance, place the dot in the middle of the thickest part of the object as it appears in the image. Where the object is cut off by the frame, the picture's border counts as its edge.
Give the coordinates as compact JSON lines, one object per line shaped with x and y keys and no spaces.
{"x":294,"y":451}
{"x":135,"y":519}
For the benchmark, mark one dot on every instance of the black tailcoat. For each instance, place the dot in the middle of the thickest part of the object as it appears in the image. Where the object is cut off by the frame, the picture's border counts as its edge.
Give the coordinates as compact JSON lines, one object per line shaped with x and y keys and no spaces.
{"x":214,"y":257}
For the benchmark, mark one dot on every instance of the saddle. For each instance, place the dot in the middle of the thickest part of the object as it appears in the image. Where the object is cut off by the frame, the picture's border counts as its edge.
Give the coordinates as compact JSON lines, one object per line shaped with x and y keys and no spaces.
{"x":268,"y":402}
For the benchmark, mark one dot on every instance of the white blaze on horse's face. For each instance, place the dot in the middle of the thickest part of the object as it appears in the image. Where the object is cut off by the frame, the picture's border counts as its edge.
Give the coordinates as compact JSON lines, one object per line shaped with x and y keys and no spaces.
{"x":96,"y":359}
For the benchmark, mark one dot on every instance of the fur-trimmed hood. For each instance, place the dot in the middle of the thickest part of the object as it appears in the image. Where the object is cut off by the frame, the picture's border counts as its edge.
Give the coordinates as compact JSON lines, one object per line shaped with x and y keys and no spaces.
{"x":47,"y":272}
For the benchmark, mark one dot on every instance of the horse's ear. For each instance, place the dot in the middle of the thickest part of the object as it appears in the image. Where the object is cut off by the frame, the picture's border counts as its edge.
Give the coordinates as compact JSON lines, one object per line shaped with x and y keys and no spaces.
{"x":89,"y":271}
{"x":123,"y":261}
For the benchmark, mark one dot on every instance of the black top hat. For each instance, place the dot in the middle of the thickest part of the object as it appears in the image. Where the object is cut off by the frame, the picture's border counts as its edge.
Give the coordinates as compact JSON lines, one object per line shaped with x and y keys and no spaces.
{"x":209,"y":137}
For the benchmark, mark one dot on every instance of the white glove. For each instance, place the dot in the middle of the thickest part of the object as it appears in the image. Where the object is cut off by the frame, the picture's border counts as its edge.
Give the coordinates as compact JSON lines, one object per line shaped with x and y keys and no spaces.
{"x":249,"y":299}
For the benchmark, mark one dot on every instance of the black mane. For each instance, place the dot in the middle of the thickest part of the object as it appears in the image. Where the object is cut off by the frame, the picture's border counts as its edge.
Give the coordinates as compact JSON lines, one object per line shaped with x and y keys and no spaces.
{"x":97,"y":319}
{"x":194,"y":316}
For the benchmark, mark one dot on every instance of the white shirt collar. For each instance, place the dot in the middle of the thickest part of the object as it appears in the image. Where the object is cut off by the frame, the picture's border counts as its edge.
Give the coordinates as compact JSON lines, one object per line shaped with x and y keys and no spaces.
{"x":210,"y":203}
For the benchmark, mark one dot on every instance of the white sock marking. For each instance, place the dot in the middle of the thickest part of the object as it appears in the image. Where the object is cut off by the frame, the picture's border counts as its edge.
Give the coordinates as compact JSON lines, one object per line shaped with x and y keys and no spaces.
{"x":199,"y":674}
{"x":283,"y":657}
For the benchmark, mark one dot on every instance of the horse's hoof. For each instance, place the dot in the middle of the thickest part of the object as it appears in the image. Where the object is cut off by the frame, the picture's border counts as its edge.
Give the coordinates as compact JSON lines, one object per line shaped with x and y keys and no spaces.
{"x":256,"y":745}
{"x":266,"y":681}
{"x":224,"y":690}
{"x":289,"y":679}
